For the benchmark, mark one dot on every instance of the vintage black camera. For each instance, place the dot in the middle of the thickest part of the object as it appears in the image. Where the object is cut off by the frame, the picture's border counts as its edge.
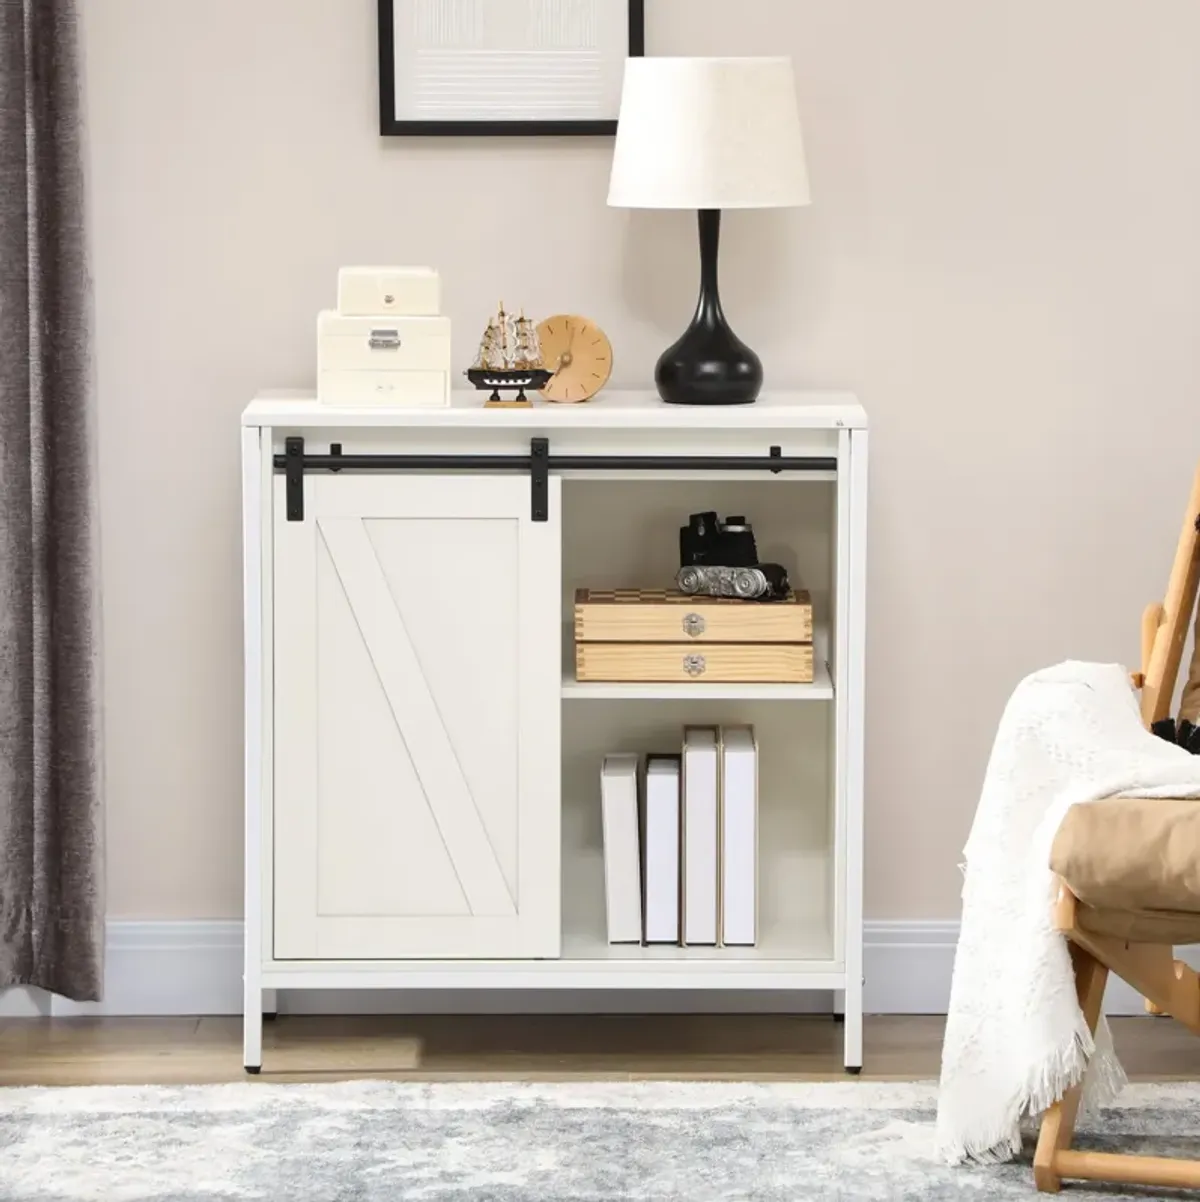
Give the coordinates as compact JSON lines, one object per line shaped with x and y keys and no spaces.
{"x":720,"y":559}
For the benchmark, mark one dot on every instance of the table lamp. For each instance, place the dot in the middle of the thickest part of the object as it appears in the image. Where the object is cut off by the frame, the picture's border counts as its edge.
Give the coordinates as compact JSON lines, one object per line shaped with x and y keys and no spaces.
{"x":708,"y":134}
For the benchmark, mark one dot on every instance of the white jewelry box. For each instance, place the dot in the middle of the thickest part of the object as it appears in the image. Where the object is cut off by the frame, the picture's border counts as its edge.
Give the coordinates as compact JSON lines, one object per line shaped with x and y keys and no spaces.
{"x":391,"y":361}
{"x":404,"y":291}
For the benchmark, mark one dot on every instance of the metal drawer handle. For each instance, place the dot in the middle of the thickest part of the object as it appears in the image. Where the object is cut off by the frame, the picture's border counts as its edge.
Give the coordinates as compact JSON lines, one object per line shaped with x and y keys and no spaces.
{"x":384,"y":340}
{"x":694,"y":665}
{"x":693,"y":625}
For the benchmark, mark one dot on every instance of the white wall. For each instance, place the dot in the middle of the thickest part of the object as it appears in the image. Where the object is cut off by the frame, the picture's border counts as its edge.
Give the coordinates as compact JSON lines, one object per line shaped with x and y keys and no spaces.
{"x":1002,"y":258}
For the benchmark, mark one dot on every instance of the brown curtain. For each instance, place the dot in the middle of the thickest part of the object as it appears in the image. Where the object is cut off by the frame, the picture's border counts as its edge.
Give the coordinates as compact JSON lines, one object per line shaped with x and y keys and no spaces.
{"x":51,"y":853}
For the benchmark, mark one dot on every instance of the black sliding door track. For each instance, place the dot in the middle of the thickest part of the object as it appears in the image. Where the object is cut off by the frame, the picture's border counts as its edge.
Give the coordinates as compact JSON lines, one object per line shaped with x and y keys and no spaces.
{"x":294,"y":462}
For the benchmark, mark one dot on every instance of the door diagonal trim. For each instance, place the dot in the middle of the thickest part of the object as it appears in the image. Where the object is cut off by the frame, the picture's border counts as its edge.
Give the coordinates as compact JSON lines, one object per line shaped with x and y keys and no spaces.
{"x":417,"y":718}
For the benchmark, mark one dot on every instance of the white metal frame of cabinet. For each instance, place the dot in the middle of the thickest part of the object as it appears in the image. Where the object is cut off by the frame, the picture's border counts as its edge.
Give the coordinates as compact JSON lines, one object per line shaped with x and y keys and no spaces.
{"x":619,"y":436}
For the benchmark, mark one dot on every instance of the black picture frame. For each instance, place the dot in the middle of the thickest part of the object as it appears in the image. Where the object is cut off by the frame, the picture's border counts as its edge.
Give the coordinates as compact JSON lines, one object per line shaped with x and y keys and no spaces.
{"x":390,"y":127}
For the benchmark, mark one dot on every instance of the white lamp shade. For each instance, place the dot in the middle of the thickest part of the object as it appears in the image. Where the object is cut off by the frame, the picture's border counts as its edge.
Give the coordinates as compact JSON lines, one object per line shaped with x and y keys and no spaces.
{"x":708,"y":133}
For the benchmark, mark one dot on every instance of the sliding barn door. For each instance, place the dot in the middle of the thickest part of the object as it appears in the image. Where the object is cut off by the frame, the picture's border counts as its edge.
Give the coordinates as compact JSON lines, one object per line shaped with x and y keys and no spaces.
{"x":417,"y":683}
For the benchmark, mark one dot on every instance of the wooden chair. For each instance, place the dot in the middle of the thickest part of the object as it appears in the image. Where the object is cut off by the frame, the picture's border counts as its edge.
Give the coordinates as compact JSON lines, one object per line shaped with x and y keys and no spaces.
{"x":1169,"y":986}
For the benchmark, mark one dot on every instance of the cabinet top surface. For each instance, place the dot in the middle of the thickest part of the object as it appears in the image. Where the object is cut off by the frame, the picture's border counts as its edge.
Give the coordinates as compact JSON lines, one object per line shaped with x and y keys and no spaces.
{"x":612,"y":409}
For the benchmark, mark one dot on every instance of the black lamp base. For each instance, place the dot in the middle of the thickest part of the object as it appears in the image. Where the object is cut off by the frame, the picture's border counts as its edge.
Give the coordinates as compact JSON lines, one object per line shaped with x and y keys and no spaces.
{"x":710,"y":364}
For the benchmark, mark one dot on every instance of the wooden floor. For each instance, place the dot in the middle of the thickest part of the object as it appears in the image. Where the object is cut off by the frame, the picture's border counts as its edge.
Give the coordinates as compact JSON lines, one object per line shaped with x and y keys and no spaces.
{"x":741,"y":1047}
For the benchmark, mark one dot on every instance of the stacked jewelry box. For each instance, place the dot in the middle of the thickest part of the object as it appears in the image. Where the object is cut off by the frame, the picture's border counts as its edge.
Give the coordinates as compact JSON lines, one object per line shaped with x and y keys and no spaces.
{"x":387,"y":343}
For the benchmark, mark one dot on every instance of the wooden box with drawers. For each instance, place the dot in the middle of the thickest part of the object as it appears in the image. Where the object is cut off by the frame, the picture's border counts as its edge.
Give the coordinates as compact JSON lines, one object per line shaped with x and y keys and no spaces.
{"x":647,"y":635}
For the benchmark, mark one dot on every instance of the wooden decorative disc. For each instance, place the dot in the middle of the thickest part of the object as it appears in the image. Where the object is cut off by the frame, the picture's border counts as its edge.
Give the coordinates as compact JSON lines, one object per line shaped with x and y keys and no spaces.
{"x":579,"y":354}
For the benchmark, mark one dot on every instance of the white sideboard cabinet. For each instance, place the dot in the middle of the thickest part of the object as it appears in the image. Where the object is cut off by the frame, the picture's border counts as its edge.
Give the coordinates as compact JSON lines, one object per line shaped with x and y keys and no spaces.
{"x":422,"y":767}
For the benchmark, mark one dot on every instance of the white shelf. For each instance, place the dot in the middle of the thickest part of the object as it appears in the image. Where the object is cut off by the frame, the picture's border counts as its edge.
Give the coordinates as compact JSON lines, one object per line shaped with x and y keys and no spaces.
{"x":801,"y":946}
{"x":640,"y":409}
{"x":821,"y":689}
{"x":793,"y":954}
{"x":693,"y":973}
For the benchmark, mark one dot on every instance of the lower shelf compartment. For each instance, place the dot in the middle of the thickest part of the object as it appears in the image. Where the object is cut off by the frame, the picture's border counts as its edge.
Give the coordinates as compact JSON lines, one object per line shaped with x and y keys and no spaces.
{"x":797,"y":861}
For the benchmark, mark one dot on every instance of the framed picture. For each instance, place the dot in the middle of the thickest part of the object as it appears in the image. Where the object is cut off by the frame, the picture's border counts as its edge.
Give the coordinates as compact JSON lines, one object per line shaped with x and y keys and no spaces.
{"x":496,"y":67}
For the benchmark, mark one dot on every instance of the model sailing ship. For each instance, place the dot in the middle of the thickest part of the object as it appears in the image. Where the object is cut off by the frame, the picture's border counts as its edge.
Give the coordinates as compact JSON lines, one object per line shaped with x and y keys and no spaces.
{"x":509,"y":357}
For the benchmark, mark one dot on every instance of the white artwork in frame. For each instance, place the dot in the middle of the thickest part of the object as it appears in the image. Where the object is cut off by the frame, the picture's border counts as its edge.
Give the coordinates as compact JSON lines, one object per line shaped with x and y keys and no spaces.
{"x":458,"y":67}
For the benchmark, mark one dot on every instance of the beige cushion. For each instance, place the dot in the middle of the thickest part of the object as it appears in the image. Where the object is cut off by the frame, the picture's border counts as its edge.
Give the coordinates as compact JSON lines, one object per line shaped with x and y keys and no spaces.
{"x":1135,"y":864}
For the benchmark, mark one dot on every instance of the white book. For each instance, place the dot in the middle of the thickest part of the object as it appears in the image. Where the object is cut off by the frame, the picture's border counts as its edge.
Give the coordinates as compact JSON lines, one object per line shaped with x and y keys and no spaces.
{"x":699,"y":869}
{"x":622,"y":853}
{"x":660,"y":848}
{"x":739,"y":836}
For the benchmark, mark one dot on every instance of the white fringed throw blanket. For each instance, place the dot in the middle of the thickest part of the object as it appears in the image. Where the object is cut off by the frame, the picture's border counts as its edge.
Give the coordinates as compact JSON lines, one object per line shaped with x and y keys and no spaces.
{"x":1015,"y":1036}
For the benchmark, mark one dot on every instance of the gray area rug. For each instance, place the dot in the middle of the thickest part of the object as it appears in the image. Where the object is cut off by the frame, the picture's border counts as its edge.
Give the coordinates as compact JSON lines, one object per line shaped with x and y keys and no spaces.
{"x":381,"y":1142}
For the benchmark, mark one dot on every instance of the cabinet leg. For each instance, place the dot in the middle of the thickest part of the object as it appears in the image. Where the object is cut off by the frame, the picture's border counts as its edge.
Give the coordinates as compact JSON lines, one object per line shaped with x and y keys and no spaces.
{"x":852,"y":1032}
{"x":252,"y":1016}
{"x":839,"y":1005}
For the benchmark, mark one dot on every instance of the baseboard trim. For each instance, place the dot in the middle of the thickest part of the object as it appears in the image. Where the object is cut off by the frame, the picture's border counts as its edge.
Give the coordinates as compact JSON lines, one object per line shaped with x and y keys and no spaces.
{"x":166,"y":968}
{"x":908,"y":966}
{"x":195,"y":967}
{"x":21,"y":1002}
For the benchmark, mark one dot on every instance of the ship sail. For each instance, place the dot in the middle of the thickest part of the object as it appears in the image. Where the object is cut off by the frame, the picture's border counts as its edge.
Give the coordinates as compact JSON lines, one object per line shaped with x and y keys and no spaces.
{"x":529,"y":351}
{"x":509,"y":345}
{"x":488,"y":356}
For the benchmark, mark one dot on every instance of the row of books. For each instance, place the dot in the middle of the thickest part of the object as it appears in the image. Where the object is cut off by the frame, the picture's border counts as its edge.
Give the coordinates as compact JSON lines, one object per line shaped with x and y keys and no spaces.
{"x":681,"y":841}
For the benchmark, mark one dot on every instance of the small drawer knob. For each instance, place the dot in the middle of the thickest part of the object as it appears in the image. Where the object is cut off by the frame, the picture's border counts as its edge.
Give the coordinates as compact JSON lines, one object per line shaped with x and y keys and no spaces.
{"x":694,"y":665}
{"x":693,"y":625}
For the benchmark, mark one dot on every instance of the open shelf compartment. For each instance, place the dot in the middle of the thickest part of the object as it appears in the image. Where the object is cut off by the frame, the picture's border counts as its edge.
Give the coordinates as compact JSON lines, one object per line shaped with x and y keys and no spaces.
{"x":629,"y":537}
{"x":796,"y":863}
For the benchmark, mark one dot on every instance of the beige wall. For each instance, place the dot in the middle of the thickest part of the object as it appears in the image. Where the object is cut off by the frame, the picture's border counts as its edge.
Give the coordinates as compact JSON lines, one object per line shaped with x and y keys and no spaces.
{"x":1003,"y":259}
